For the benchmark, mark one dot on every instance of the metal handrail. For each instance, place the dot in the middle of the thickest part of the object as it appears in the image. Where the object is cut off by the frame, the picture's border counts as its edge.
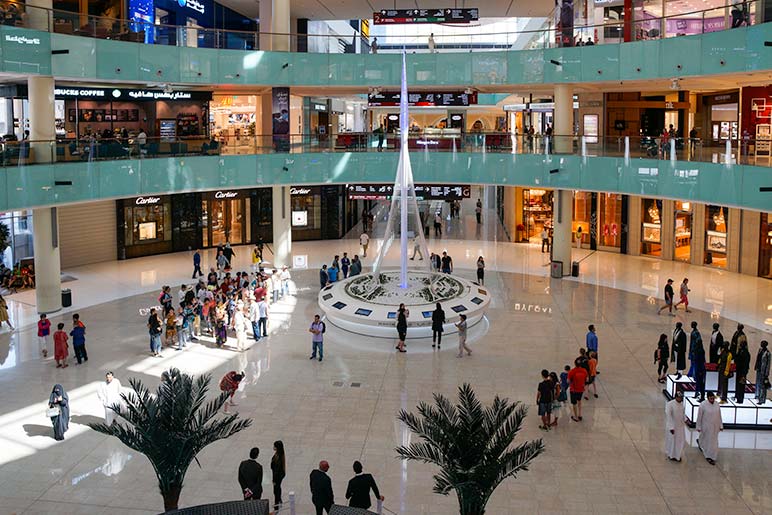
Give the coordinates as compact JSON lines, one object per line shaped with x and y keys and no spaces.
{"x":251,"y":39}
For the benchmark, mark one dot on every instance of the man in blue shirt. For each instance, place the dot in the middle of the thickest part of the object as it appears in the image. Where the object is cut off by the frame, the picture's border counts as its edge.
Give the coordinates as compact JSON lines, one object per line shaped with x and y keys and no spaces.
{"x":197,"y":264}
{"x":591,"y":341}
{"x":78,"y":334}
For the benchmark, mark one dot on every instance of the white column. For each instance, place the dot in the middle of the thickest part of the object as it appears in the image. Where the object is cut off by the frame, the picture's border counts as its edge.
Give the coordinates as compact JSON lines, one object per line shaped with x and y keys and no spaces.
{"x":41,"y":119}
{"x":563,"y":129}
{"x":562,"y":214}
{"x":280,"y":25}
{"x":282,"y":227}
{"x":39,"y":14}
{"x":48,"y":282}
{"x":266,"y":26}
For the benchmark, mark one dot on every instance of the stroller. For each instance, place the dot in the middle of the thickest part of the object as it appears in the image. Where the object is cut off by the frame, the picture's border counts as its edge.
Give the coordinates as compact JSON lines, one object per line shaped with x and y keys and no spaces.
{"x":649,"y":146}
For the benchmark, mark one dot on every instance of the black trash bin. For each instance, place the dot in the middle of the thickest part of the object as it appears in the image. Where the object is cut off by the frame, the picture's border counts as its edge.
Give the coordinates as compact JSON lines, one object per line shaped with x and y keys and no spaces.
{"x":66,"y":298}
{"x":574,"y":268}
{"x":426,"y":231}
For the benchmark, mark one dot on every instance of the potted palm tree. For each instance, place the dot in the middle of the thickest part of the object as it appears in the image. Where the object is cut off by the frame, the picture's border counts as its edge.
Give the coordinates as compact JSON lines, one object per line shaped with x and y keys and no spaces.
{"x":471,"y":443}
{"x":171,"y":426}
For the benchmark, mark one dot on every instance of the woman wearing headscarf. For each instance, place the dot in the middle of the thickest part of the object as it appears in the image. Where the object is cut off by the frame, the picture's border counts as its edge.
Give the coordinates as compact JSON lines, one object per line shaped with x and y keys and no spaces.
{"x":61,"y":422}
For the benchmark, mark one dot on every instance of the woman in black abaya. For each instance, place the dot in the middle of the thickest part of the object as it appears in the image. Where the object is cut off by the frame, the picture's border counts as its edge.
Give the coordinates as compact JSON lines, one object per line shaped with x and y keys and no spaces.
{"x":61,"y":422}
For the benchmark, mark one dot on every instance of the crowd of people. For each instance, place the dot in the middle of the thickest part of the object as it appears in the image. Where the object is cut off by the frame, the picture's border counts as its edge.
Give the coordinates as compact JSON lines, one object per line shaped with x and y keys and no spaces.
{"x":250,"y":477}
{"x":223,"y":302}
{"x":574,"y":384}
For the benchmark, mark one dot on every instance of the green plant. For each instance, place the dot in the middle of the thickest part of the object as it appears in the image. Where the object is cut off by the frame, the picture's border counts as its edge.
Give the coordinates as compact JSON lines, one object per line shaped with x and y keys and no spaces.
{"x":5,"y":237}
{"x":171,"y":426}
{"x":471,"y":444}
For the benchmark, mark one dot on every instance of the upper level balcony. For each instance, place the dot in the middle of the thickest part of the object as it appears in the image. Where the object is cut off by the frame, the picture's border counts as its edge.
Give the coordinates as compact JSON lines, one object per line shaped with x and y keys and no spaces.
{"x":96,"y":49}
{"x":91,"y":170}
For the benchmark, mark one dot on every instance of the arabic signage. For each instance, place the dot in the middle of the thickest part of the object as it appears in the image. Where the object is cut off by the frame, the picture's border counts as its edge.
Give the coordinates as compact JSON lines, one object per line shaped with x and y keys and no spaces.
{"x":22,"y":40}
{"x":422,"y":191}
{"x":447,"y":15}
{"x":64,"y":92}
{"x":423,"y":99}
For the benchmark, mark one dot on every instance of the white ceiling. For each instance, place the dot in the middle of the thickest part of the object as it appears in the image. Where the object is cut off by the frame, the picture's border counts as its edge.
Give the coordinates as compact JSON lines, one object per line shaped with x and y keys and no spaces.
{"x":363,"y":9}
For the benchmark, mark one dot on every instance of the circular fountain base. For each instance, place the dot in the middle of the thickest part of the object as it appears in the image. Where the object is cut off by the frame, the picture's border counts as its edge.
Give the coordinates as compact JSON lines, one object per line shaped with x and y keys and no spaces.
{"x":368,"y":307}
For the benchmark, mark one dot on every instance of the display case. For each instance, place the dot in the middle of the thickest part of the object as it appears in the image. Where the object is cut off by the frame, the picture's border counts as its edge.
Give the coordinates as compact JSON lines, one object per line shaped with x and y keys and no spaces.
{"x":763,"y":146}
{"x":652,"y":233}
{"x":716,"y":241}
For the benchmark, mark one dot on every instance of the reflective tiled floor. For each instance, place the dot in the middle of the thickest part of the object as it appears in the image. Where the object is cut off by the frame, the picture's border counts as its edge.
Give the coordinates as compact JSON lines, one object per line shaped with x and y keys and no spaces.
{"x":612,"y":462}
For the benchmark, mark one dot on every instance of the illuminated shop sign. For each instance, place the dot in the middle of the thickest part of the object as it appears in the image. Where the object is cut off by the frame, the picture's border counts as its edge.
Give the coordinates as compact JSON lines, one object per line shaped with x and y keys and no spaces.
{"x":130,"y":94}
{"x":300,"y":191}
{"x":226,"y":194}
{"x":143,"y":201}
{"x":22,"y":40}
{"x":194,"y":5}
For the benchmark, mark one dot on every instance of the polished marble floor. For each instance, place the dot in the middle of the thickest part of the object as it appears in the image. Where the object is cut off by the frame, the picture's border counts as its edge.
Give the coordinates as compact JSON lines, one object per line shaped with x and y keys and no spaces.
{"x":612,"y":462}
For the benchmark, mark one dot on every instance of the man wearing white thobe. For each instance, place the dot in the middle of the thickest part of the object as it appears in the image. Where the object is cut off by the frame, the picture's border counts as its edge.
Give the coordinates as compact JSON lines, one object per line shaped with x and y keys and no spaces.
{"x":240,"y":326}
{"x":109,"y":393}
{"x":709,"y":425}
{"x":674,"y":427}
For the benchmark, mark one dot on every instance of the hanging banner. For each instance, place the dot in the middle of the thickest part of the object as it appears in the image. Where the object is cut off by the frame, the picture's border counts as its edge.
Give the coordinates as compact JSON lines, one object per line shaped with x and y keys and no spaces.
{"x":280,"y":118}
{"x":564,"y":22}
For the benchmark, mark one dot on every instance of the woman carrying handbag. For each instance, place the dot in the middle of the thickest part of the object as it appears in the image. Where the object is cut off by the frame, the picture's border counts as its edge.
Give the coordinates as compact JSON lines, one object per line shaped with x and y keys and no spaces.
{"x":59,"y":411}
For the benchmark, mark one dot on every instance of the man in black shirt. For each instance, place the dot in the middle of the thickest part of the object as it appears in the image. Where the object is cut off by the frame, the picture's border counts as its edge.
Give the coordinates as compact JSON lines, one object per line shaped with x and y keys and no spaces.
{"x":359,"y":486}
{"x":321,"y":488}
{"x":544,"y":399}
{"x":668,"y":298}
{"x":446,"y":263}
{"x":251,"y":476}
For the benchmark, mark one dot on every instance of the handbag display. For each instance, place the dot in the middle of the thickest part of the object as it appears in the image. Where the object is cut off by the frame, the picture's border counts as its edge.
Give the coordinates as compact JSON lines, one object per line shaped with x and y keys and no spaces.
{"x":53,"y":412}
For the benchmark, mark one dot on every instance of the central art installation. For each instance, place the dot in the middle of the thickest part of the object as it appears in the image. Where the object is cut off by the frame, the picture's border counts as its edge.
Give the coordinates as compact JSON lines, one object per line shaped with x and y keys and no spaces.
{"x":367,"y":304}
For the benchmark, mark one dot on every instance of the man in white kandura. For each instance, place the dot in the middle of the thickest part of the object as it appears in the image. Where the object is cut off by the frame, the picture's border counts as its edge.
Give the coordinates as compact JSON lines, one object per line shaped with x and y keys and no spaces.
{"x":709,"y":425}
{"x":109,"y":393}
{"x":674,"y":427}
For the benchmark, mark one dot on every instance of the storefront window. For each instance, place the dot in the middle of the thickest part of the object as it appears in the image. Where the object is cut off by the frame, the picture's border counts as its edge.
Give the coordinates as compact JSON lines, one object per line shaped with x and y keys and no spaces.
{"x":683,"y":231}
{"x":765,"y":247}
{"x":651,"y":232}
{"x":147,"y":224}
{"x":306,"y":213}
{"x":716,"y":221}
{"x":582,"y":214}
{"x":610,"y":219}
{"x":537,"y":212}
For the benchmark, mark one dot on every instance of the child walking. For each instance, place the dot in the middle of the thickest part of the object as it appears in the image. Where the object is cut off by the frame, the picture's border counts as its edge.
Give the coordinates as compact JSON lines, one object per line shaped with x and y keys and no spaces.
{"x":171,"y":328}
{"x":593,"y":363}
{"x":60,"y":346}
{"x":44,"y":334}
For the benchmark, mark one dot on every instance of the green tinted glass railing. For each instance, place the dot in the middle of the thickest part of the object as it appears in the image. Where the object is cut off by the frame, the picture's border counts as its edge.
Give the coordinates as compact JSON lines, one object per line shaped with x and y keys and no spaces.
{"x":643,"y":27}
{"x":89,"y":149}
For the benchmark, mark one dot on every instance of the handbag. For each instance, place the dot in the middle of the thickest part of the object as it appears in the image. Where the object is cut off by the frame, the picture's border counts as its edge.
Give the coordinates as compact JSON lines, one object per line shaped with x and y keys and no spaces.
{"x":53,"y":412}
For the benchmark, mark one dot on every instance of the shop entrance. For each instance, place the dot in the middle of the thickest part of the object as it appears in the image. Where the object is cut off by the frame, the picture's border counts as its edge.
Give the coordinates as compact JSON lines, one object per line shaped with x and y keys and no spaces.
{"x":683,"y":232}
{"x":224,"y":221}
{"x":537,"y":213}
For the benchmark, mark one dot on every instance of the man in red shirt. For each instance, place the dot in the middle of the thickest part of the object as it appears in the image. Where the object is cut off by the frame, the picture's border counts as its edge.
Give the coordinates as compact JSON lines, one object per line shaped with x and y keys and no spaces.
{"x":577,"y":378}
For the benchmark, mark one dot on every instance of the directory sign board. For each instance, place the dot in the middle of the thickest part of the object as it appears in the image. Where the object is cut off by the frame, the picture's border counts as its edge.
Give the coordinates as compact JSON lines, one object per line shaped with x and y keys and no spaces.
{"x":423,"y":99}
{"x":447,"y":15}
{"x":422,"y":191}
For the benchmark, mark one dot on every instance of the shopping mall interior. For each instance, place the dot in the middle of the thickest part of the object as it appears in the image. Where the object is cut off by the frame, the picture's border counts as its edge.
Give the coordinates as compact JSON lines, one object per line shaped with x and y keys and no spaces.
{"x":588,"y":151}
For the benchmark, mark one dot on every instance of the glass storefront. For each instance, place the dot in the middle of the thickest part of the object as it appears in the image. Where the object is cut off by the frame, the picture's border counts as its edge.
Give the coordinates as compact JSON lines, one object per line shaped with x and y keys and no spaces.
{"x":716,"y":221}
{"x":651,"y":230}
{"x":610,"y":220}
{"x":537,"y":212}
{"x":683,"y":232}
{"x":19,"y":226}
{"x":146,"y":226}
{"x":765,"y":246}
{"x":582,"y":214}
{"x":306,"y":207}
{"x":225,"y":218}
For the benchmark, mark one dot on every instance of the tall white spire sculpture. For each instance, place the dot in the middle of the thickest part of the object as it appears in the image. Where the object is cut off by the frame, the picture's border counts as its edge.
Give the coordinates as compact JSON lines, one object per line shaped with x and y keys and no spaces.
{"x":403,"y":202}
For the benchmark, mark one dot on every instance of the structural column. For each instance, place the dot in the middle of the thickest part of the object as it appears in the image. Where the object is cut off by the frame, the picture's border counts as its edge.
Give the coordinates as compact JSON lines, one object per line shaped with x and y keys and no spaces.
{"x":45,"y":237}
{"x":48,"y":282}
{"x":280,"y":25}
{"x":563,"y":203}
{"x":39,"y":14}
{"x":41,"y":119}
{"x":282,"y":227}
{"x":562,"y":214}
